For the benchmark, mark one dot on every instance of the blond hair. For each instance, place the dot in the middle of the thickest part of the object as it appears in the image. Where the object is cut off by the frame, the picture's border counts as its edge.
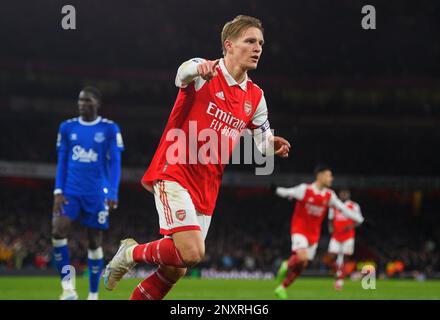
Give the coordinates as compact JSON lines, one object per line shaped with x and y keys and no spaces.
{"x":235,"y":28}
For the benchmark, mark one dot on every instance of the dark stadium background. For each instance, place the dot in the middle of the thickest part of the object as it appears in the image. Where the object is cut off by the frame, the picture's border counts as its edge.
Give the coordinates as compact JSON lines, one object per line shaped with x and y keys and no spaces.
{"x":364,"y":102}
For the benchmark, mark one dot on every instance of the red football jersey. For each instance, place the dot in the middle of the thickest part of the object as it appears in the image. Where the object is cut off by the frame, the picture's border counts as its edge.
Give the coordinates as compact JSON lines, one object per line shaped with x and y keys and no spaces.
{"x":340,"y":222}
{"x":227,"y":110}
{"x":310,"y":212}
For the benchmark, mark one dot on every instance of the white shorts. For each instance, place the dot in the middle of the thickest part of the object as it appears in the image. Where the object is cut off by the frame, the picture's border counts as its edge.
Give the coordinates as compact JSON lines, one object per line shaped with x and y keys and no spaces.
{"x":346,"y":247}
{"x":176,"y":210}
{"x":299,"y":241}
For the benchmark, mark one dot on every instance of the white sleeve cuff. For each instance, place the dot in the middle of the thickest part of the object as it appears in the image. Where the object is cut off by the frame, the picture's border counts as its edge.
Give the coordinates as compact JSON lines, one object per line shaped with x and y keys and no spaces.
{"x":187,"y":72}
{"x":263,"y":138}
{"x":57,"y":191}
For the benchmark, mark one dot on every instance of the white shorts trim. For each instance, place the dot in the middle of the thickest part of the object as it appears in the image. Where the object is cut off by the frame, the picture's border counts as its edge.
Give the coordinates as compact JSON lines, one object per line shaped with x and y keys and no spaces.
{"x":299,"y":241}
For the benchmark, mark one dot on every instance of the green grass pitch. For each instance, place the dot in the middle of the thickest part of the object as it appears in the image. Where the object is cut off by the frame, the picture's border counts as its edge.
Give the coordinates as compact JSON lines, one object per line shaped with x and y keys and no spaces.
{"x":30,"y":288}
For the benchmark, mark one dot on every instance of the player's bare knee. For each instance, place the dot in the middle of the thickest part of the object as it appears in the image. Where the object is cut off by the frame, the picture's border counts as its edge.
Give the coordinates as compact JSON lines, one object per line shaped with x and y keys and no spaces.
{"x":302,"y":256}
{"x":191,"y":247}
{"x":192,"y":259}
{"x":192,"y":256}
{"x":58,"y":232}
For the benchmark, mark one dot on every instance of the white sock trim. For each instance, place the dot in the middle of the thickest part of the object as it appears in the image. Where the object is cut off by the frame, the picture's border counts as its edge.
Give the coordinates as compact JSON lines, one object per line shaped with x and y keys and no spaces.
{"x":96,"y":254}
{"x":59,"y":242}
{"x":129,"y":254}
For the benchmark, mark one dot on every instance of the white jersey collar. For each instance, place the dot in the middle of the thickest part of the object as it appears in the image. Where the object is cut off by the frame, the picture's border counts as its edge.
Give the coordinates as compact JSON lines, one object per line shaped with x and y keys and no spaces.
{"x":91,"y":123}
{"x":229,"y":79}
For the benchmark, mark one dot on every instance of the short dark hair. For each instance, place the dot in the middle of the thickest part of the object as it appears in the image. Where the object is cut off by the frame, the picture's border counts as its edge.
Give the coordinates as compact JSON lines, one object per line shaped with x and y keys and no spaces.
{"x":321,"y":168}
{"x":96,"y":93}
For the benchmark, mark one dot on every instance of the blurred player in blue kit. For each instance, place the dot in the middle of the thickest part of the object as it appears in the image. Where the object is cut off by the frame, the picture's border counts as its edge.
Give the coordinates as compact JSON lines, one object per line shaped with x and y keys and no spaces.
{"x":86,"y":187}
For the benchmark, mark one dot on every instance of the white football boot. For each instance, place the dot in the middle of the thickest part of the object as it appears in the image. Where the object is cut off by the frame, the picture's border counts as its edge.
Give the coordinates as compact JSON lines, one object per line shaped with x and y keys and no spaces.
{"x":121,"y":263}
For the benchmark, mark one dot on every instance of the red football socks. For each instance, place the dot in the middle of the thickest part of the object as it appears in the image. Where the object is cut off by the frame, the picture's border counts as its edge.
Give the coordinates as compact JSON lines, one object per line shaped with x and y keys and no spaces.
{"x":340,"y":272}
{"x":160,"y":252}
{"x":295,"y":267}
{"x":154,"y":287}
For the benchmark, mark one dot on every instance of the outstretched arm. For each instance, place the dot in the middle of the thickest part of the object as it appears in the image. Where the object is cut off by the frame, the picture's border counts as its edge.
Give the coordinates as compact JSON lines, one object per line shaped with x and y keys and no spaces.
{"x":354,"y":215}
{"x":297,"y":192}
{"x":196,"y":69}
{"x":355,"y":224}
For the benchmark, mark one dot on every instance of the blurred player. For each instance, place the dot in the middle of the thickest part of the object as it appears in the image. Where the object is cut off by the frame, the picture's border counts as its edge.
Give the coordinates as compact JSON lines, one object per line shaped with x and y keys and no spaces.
{"x":218,"y":99}
{"x":342,"y":236}
{"x":86,"y":187}
{"x":313,"y":202}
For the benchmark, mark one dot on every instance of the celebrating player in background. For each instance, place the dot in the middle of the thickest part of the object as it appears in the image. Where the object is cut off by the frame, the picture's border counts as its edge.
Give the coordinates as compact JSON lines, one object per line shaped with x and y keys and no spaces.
{"x":342,"y":236}
{"x":86,"y":187}
{"x":313,"y":202}
{"x":216,"y":99}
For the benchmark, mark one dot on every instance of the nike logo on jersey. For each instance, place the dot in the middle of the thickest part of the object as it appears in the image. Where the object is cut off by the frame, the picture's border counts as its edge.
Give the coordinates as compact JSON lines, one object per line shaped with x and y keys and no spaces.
{"x":81,"y":155}
{"x":220,"y":95}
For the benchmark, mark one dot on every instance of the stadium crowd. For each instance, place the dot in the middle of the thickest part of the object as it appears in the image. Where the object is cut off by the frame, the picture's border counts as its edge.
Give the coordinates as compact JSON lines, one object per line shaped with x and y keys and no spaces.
{"x":249,"y":231}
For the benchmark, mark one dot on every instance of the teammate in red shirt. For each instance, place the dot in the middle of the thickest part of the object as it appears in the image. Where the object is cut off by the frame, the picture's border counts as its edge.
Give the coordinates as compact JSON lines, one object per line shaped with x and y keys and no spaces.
{"x":215,"y":103}
{"x":342,"y":231}
{"x":312,"y":205}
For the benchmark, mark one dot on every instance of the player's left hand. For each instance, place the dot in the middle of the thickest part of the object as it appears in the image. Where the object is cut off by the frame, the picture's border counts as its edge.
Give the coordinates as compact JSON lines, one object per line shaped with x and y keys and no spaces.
{"x":112,"y":205}
{"x":281,"y":147}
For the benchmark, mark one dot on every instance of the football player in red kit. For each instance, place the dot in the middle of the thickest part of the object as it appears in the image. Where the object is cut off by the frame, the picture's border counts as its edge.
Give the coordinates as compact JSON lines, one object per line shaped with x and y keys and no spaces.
{"x":342,"y":231}
{"x":312,"y":204}
{"x":216,"y":102}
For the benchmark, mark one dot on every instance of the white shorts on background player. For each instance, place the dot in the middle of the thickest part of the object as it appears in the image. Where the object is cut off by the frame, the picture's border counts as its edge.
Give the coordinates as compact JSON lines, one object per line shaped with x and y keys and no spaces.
{"x":346,"y":247}
{"x":299,"y":241}
{"x":176,"y":210}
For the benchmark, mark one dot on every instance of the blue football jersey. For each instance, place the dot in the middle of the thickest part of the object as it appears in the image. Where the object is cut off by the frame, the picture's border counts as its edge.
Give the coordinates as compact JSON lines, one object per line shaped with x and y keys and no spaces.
{"x":85,"y":154}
